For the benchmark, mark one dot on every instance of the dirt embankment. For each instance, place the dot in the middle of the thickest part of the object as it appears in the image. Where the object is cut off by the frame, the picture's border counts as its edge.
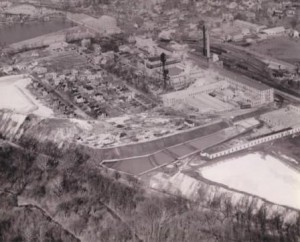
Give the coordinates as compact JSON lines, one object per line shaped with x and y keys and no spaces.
{"x":10,"y":124}
{"x":148,"y":147}
{"x":62,"y":133}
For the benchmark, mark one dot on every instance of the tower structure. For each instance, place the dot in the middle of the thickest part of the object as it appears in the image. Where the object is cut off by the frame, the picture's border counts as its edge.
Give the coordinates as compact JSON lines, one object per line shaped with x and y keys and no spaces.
{"x":206,"y":42}
{"x":165,"y":71}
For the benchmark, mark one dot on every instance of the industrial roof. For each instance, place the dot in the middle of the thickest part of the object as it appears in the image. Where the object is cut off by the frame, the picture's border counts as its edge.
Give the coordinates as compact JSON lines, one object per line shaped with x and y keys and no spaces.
{"x":253,"y":84}
{"x":245,"y":80}
{"x":285,"y":117}
{"x":175,"y":71}
{"x":207,"y":103}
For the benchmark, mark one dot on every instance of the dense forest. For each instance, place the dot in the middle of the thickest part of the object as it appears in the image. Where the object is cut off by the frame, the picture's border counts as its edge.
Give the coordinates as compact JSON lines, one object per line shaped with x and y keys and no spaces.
{"x":63,"y":196}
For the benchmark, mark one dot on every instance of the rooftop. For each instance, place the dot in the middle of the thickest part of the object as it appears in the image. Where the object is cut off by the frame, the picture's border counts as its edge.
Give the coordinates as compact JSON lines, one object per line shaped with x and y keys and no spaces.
{"x":175,"y":71}
{"x":274,"y":29}
{"x":246,"y":23}
{"x":206,"y":103}
{"x":286,"y":117}
{"x":244,"y":80}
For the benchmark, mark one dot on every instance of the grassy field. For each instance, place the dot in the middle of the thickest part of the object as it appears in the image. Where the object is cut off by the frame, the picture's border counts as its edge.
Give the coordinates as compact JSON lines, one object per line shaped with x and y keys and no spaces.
{"x":283,"y":48}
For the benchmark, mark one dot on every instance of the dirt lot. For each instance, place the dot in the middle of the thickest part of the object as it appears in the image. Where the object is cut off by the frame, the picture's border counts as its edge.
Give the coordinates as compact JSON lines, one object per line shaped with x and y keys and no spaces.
{"x":283,"y":48}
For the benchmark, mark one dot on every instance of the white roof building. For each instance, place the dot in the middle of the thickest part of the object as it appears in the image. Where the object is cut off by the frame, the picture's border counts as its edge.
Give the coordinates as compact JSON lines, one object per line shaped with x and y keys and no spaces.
{"x":248,"y":25}
{"x":274,"y":31}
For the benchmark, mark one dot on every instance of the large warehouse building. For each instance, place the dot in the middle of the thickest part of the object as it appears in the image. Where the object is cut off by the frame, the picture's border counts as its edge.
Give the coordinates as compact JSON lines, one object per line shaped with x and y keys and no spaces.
{"x":242,"y":90}
{"x":256,"y":93}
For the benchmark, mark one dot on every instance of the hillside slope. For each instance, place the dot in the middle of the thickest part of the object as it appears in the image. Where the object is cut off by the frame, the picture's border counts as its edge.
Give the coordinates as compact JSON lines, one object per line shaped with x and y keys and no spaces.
{"x":82,"y":202}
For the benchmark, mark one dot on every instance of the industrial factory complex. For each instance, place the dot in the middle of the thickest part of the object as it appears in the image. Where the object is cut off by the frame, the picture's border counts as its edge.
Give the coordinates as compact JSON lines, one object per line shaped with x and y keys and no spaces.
{"x":225,"y":91}
{"x":92,"y":70}
{"x":228,"y":89}
{"x":157,"y":96}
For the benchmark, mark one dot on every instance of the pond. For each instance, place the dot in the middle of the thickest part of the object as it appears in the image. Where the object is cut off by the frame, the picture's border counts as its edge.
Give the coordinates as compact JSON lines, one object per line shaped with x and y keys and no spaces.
{"x":23,"y":31}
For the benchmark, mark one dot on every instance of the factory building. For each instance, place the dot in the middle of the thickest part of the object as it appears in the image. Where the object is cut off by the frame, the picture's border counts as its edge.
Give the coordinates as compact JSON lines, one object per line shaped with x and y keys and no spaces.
{"x":232,"y":89}
{"x":181,"y":96}
{"x":154,"y":62}
{"x":179,"y":77}
{"x":247,"y":25}
{"x":287,"y":117}
{"x":243,"y":89}
{"x":255,"y":93}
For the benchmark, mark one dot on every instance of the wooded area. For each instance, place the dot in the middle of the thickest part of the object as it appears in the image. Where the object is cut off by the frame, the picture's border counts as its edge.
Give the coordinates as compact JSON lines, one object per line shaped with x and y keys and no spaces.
{"x":67,"y":198}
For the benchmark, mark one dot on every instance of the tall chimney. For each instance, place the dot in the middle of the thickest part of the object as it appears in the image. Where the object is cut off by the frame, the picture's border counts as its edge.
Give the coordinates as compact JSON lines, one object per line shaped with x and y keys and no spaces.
{"x":206,"y":42}
{"x":204,"y":39}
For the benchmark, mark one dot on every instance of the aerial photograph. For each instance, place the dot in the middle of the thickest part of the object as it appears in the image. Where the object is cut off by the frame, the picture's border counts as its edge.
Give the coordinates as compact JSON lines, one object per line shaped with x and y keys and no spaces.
{"x":150,"y":120}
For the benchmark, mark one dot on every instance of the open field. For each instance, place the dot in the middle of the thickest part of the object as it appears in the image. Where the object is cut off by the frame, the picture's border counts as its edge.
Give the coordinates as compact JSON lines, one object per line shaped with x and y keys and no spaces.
{"x":282,"y":48}
{"x":263,"y":176}
{"x":14,"y":96}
